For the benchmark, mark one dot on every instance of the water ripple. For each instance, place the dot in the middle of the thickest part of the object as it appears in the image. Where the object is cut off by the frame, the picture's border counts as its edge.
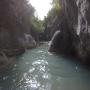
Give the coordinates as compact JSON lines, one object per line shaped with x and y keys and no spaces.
{"x":37,"y":78}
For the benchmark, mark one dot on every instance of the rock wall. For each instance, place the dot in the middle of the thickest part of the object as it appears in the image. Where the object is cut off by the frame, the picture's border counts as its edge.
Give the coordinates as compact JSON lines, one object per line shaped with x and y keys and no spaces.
{"x":75,"y":38}
{"x":14,"y":23}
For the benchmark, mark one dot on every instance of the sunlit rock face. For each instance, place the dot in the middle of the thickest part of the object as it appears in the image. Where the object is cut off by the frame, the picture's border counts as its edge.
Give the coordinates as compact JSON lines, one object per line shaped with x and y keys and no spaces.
{"x":77,"y":14}
{"x":83,"y":28}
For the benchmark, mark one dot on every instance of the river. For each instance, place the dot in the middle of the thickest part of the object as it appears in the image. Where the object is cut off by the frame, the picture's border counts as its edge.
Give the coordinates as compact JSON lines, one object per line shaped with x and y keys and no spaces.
{"x":39,"y":70}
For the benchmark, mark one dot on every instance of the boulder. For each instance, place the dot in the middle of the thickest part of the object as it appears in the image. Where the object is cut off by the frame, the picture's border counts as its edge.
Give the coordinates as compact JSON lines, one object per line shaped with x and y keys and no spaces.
{"x":29,"y":41}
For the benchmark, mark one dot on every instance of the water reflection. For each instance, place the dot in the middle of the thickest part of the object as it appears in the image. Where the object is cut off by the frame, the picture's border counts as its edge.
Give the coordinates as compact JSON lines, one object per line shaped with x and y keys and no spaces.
{"x":37,"y":78}
{"x":39,"y":70}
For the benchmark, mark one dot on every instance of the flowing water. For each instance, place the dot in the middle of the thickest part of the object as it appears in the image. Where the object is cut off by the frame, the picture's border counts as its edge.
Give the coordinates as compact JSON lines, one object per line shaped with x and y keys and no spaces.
{"x":39,"y":70}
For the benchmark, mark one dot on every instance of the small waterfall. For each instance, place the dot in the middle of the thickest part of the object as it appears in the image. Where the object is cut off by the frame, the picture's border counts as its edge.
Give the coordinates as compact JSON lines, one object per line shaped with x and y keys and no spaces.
{"x":82,"y":20}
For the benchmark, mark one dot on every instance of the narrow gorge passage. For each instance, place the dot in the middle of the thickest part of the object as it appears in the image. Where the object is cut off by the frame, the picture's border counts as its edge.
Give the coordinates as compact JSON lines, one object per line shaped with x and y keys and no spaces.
{"x":39,"y":70}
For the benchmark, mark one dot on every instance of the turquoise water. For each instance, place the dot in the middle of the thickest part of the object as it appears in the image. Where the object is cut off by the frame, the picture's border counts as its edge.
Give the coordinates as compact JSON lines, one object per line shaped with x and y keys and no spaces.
{"x":39,"y":70}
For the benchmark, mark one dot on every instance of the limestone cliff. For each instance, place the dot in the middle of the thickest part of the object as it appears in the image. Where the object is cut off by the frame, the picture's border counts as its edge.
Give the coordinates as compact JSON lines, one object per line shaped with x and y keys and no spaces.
{"x":14,"y":25}
{"x":74,"y":35}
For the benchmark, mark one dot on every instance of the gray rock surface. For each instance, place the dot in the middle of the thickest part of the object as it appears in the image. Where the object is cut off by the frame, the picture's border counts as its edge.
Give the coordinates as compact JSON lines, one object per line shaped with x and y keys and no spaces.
{"x":74,"y":35}
{"x":29,"y":41}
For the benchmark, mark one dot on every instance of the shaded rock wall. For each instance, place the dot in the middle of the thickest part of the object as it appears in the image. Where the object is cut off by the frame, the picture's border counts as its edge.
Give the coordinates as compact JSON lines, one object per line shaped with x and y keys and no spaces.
{"x":14,"y":23}
{"x":76,"y":35}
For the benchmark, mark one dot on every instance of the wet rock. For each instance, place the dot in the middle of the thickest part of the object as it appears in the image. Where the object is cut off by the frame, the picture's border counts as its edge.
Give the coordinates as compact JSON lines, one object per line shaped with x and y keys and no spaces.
{"x":5,"y":61}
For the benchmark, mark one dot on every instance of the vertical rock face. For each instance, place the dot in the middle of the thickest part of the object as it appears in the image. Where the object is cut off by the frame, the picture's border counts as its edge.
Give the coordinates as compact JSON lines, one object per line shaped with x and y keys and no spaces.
{"x":77,"y":14}
{"x":14,"y":22}
{"x":70,"y":10}
{"x":83,"y":28}
{"x":82,"y":19}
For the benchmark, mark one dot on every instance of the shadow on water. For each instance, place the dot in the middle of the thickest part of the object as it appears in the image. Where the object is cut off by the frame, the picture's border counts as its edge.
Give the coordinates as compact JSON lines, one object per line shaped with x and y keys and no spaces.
{"x":72,"y":59}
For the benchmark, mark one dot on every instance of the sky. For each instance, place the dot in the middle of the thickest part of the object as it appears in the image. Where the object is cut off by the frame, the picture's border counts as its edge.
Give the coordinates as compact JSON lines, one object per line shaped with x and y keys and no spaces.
{"x":42,"y":7}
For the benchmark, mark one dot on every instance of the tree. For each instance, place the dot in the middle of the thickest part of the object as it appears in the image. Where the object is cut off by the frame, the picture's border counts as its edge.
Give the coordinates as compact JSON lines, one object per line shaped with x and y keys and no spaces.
{"x":37,"y":24}
{"x":52,"y":20}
